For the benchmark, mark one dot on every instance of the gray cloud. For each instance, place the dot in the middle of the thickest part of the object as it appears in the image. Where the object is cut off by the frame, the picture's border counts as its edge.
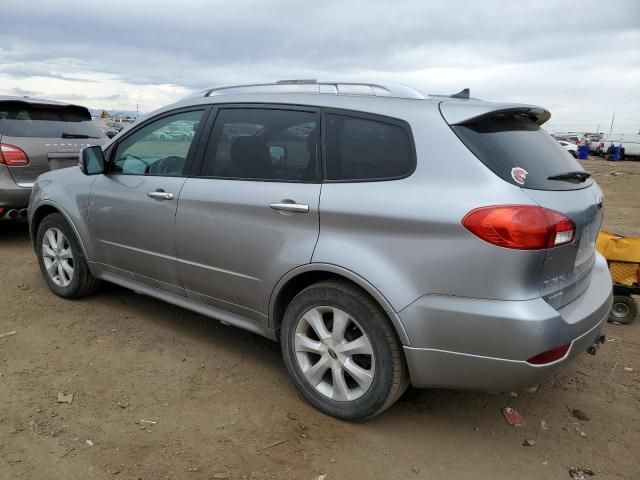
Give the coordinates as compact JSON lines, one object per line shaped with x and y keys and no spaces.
{"x":561,"y":55}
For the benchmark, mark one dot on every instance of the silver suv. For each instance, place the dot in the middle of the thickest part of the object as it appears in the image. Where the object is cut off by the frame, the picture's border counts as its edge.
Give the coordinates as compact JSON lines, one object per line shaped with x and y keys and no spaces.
{"x":36,"y":136}
{"x":382,"y":237}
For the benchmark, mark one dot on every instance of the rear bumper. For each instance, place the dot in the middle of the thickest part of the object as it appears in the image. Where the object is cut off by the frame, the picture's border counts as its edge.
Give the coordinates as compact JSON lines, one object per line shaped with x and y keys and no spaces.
{"x":11,"y":194}
{"x":484,"y":344}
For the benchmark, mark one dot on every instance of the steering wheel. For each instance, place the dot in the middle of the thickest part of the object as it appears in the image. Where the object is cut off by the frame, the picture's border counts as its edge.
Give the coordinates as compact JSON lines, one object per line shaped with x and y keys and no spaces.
{"x":171,"y":165}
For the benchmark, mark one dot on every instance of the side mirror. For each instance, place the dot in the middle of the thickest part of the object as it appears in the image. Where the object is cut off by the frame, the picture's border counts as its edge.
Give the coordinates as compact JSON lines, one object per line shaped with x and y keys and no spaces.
{"x":278,"y":153}
{"x":92,"y":160}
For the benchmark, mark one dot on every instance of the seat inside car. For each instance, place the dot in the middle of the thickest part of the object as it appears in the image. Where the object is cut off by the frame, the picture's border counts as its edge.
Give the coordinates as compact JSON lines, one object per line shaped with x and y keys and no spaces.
{"x":250,"y":158}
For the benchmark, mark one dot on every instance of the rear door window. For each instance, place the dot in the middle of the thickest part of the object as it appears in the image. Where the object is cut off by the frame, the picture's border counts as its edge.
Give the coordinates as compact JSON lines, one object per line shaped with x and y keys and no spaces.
{"x":23,"y":119}
{"x":367,"y":149}
{"x":509,"y":143}
{"x":263,"y":144}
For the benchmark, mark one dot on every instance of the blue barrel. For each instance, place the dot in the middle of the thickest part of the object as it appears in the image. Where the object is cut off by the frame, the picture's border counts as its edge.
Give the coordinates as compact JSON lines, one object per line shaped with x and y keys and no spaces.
{"x":617,"y":153}
{"x":583,"y":152}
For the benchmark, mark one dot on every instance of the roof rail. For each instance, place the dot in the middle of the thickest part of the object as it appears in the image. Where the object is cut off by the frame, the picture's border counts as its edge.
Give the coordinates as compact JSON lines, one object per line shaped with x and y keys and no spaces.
{"x":315,"y":86}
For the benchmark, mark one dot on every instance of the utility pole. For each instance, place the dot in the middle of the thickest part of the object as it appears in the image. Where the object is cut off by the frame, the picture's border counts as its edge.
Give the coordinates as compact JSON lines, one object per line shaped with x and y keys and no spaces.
{"x":612,"y":119}
{"x":598,"y":129}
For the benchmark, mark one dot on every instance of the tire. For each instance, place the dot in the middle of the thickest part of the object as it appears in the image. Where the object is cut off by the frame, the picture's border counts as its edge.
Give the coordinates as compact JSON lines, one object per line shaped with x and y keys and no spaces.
{"x":80,"y":282}
{"x":623,"y":310}
{"x":338,"y":392}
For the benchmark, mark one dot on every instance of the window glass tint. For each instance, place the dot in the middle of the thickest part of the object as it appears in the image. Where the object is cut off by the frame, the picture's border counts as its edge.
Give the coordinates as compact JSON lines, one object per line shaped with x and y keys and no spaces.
{"x":22,"y":119}
{"x":504,"y":142}
{"x":363,"y":149}
{"x":159,"y":148}
{"x":263,"y":144}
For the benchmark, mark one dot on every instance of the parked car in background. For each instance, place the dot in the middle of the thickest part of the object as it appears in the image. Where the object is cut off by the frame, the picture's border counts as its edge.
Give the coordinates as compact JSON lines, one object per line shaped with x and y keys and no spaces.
{"x":106,"y":127}
{"x":572,"y":137}
{"x":382,"y":237}
{"x":572,"y":148}
{"x":595,"y":144}
{"x":37,"y":136}
{"x":630,"y":143}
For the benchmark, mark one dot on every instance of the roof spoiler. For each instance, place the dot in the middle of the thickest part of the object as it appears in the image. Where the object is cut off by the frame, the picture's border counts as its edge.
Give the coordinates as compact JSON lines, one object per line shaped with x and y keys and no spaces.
{"x":461,"y":113}
{"x":537,"y":114}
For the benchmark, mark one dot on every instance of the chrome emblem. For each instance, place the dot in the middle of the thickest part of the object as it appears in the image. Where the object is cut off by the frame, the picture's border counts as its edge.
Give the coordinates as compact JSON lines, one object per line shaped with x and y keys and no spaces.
{"x":519,"y":174}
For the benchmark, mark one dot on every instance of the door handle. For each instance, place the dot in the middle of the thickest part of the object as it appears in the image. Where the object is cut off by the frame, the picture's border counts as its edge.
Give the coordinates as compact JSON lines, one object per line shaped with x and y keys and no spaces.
{"x":290,"y":207}
{"x":160,"y":195}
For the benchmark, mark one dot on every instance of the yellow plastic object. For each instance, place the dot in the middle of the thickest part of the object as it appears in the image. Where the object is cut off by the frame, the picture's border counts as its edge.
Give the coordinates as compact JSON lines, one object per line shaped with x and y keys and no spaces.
{"x":617,"y":248}
{"x":622,"y":254}
{"x":625,"y":273}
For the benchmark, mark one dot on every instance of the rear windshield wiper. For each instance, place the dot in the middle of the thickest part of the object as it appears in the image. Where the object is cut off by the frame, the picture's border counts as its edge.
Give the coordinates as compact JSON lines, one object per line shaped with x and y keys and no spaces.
{"x":574,"y":177}
{"x":75,"y":135}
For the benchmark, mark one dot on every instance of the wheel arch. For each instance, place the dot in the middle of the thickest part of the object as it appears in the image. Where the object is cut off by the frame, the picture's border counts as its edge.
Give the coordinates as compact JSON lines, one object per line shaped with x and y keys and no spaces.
{"x":301,"y":277}
{"x":45,"y":209}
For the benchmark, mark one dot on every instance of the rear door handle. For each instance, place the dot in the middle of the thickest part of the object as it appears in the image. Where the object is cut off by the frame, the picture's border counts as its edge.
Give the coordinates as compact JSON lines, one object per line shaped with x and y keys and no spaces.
{"x":160,"y":195}
{"x":290,"y":207}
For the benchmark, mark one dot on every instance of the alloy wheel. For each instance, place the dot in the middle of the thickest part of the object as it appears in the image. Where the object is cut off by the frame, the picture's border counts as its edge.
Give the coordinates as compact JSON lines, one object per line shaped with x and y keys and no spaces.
{"x":58,"y":257}
{"x":334,"y":353}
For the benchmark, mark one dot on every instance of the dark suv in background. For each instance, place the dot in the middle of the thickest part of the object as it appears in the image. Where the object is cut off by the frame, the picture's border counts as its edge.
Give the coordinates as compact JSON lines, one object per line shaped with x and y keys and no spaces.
{"x":37,"y":136}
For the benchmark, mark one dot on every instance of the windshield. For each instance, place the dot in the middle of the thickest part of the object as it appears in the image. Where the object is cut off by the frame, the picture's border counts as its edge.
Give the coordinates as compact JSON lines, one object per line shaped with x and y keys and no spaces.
{"x":22,"y":119}
{"x":517,"y":150}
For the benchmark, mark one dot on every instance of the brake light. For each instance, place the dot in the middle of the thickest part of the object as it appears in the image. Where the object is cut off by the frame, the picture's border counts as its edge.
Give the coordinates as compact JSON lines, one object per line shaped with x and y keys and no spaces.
{"x":550,"y":355}
{"x":522,"y":227}
{"x":13,"y":156}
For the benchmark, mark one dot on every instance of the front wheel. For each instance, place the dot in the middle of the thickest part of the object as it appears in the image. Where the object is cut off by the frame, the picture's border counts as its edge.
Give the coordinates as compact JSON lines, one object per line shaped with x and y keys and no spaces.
{"x":61,"y":260}
{"x":341,"y":351}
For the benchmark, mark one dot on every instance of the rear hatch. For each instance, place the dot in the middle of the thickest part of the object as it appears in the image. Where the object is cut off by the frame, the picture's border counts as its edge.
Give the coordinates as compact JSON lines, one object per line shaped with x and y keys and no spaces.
{"x":508,"y":139}
{"x":49,"y":134}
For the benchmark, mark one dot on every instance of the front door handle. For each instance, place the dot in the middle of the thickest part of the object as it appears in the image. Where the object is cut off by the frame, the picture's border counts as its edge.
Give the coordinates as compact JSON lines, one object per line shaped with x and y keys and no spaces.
{"x":160,"y":195}
{"x":285,"y":206}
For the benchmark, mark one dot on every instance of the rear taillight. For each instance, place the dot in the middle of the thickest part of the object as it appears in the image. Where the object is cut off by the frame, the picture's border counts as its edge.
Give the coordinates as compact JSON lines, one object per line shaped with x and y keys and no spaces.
{"x":523,"y":227}
{"x":13,"y":156}
{"x":550,"y":355}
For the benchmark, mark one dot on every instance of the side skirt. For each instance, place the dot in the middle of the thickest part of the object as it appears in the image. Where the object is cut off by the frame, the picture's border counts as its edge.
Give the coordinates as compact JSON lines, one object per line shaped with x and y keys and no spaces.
{"x":189,"y":304}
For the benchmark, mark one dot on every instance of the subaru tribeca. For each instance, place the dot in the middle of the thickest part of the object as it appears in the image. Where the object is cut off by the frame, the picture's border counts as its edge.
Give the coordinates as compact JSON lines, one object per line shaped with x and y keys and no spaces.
{"x":37,"y":136}
{"x":381,"y":236}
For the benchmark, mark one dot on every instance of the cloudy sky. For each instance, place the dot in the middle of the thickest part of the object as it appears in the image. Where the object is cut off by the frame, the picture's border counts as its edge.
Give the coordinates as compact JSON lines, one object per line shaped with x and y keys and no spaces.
{"x":580,"y":59}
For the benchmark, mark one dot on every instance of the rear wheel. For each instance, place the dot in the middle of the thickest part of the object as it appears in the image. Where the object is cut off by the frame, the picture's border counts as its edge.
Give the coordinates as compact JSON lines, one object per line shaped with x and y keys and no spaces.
{"x":623,"y":310}
{"x":61,"y":260}
{"x":341,"y":351}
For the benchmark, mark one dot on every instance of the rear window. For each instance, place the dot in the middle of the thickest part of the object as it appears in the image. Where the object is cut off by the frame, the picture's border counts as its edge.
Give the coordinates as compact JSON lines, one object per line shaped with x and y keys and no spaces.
{"x":508,"y":143}
{"x":363,"y":149}
{"x":22,"y":119}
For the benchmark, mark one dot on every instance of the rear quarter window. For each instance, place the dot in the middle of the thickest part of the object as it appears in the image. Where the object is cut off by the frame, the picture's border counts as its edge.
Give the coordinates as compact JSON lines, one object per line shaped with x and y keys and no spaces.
{"x":367,"y":149}
{"x":22,"y":119}
{"x":504,"y":142}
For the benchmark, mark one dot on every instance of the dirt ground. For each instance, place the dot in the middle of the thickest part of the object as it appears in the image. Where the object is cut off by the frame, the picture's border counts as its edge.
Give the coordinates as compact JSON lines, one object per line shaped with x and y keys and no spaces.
{"x":162,"y":393}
